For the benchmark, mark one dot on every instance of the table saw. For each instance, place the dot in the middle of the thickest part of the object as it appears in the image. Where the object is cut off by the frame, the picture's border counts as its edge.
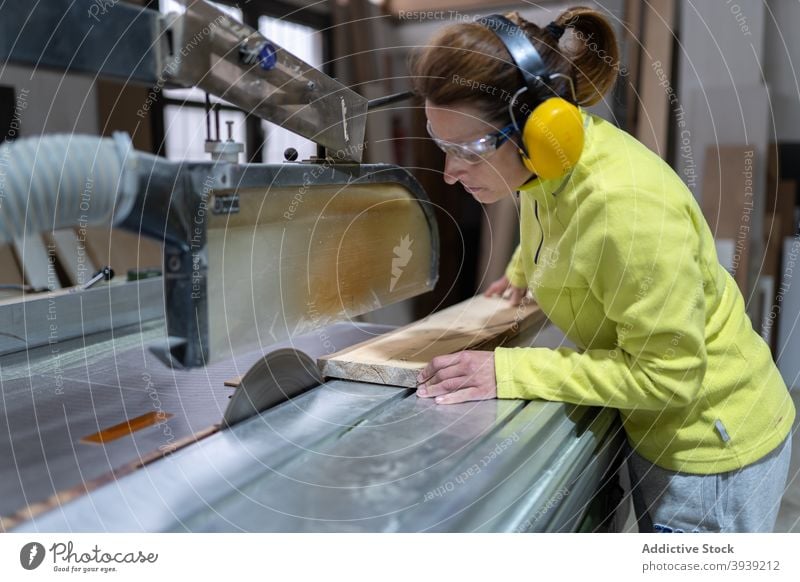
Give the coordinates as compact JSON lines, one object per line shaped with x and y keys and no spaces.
{"x":343,"y":456}
{"x":115,"y":413}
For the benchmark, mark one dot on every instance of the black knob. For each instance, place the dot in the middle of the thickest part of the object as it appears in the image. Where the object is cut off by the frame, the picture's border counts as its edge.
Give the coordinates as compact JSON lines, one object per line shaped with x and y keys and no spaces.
{"x":290,"y":154}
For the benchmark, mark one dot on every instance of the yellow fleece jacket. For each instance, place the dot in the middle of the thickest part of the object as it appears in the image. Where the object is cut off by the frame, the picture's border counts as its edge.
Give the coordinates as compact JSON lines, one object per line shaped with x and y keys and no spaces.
{"x":619,"y":257}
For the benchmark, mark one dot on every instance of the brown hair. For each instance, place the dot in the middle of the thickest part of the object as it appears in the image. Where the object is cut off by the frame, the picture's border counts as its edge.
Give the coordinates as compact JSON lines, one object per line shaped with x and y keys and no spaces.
{"x":466,"y":63}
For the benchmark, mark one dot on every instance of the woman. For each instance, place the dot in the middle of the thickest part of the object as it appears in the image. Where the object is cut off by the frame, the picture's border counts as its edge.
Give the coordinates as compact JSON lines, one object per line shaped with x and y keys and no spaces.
{"x":617,"y":253}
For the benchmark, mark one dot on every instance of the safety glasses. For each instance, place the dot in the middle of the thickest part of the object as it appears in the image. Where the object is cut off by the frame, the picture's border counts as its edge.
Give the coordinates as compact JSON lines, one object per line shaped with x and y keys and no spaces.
{"x":474,"y":151}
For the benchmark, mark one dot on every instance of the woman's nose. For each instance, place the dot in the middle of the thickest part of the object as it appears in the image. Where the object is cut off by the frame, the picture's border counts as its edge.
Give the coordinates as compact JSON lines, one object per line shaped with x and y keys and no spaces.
{"x":454,"y":169}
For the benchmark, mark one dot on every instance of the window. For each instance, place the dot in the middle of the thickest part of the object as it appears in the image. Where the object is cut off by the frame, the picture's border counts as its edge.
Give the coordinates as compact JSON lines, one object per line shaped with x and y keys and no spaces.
{"x":184,"y":109}
{"x":306,"y":44}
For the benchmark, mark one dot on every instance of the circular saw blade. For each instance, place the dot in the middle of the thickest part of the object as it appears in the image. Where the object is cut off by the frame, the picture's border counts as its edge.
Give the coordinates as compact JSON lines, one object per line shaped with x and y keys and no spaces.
{"x":275,"y":378}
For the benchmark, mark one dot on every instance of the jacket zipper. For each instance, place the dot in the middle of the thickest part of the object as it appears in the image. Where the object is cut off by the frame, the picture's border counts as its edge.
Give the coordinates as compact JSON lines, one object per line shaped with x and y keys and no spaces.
{"x":541,"y":231}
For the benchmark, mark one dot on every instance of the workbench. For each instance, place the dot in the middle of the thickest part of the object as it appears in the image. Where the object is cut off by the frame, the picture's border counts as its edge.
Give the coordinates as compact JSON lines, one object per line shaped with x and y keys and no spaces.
{"x":344,"y":456}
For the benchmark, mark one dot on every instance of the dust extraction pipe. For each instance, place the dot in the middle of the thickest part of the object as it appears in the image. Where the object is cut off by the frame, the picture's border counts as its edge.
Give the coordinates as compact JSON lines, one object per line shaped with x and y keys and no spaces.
{"x":64,"y":181}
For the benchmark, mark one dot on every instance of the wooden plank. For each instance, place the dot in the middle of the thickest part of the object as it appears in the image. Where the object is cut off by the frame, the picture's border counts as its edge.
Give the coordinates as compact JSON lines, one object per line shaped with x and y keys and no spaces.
{"x":633,"y":26}
{"x":727,"y":202}
{"x":395,"y":358}
{"x":38,"y":262}
{"x":768,"y":279}
{"x":498,"y":240}
{"x":10,"y":276}
{"x":9,"y":268}
{"x":787,"y":195}
{"x":653,"y":118}
{"x":72,"y":255}
{"x":118,"y":108}
{"x":779,"y":223}
{"x":122,"y":250}
{"x":234,"y":382}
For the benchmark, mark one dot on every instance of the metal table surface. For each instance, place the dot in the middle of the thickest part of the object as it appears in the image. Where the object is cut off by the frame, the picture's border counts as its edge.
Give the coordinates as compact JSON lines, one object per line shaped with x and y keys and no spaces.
{"x":55,"y":395}
{"x":345,"y":456}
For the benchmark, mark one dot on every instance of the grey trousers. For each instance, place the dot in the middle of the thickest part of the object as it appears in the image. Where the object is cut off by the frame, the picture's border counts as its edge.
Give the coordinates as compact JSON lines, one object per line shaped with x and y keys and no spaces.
{"x":745,"y":500}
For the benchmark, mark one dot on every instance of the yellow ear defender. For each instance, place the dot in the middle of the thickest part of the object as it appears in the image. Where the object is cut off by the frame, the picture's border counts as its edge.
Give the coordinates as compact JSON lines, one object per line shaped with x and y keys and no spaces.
{"x":552,"y":133}
{"x":553,"y":138}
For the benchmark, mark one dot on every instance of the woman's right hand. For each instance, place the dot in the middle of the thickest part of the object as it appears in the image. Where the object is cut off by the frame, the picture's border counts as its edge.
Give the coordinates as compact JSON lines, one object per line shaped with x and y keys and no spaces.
{"x":505,"y":289}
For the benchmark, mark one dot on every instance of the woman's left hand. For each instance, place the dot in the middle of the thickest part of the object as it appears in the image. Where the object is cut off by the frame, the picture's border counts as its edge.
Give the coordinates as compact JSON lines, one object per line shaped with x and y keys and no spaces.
{"x":458,"y":377}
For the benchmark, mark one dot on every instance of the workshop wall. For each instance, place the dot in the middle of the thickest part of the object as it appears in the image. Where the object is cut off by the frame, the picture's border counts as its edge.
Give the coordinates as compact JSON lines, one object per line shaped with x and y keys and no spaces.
{"x":44,"y":102}
{"x":781,"y":58}
{"x":56,"y":102}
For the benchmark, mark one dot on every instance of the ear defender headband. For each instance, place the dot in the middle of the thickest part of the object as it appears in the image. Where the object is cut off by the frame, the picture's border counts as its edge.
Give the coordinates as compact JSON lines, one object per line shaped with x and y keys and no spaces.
{"x":552,"y":133}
